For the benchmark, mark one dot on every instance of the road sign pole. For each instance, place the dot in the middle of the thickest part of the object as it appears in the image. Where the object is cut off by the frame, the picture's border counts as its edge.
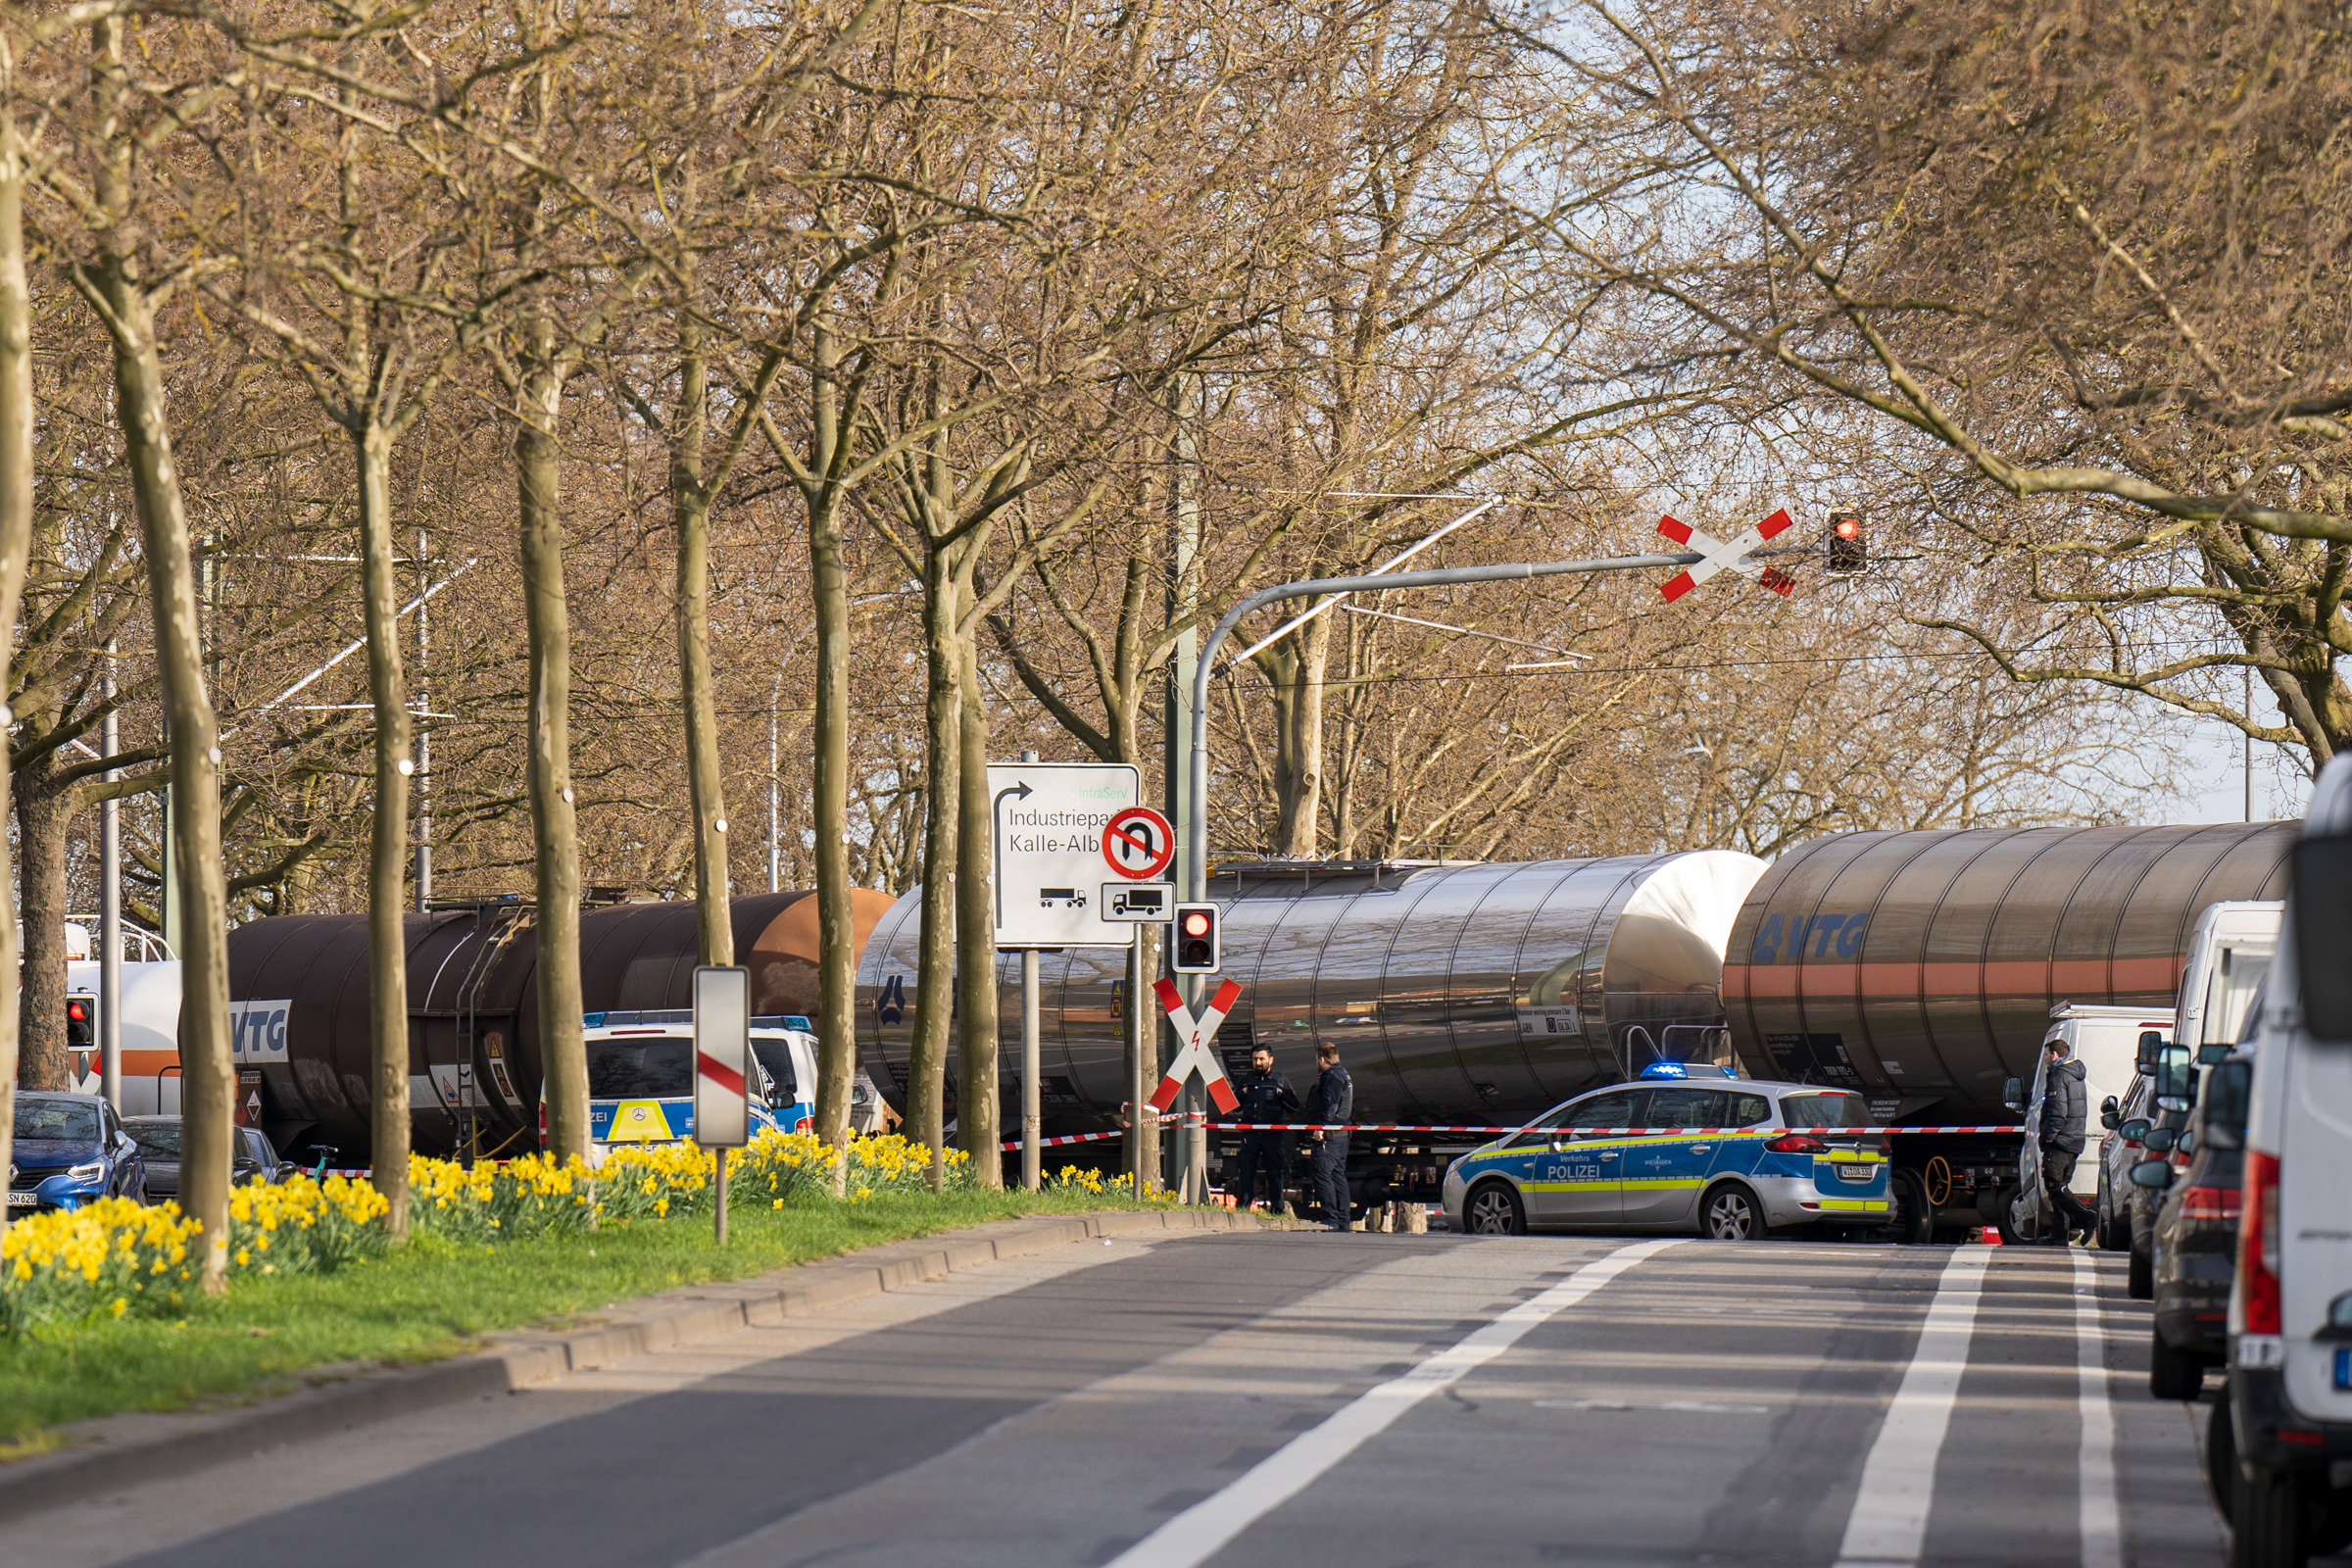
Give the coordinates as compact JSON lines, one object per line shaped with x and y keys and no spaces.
{"x":1030,"y":1117}
{"x":722,"y":1202}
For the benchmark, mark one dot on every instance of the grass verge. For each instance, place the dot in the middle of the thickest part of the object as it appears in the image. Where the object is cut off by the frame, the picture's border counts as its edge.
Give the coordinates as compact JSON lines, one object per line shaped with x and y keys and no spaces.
{"x":422,"y":1303}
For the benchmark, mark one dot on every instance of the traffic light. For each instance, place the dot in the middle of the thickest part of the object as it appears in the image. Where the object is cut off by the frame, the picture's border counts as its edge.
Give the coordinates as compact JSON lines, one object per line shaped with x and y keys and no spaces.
{"x":1850,"y":545}
{"x":80,"y":1035}
{"x":1196,"y":939}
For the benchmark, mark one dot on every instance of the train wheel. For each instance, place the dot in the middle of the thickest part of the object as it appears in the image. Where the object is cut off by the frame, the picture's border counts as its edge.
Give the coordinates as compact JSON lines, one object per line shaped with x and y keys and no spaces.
{"x":1729,"y":1212}
{"x":1494,"y":1211}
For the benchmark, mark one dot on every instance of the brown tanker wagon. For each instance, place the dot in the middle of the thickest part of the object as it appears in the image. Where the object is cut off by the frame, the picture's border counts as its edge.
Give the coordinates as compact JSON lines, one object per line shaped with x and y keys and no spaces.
{"x":1920,"y":969}
{"x":297,"y":989}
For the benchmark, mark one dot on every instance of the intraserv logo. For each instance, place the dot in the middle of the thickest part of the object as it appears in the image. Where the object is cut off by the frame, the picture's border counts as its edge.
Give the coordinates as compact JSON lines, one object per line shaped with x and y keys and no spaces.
{"x":1788,"y":934}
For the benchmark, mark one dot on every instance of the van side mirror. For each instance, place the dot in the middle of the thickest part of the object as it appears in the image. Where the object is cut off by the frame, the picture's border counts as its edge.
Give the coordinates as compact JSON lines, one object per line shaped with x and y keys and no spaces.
{"x":2175,"y":1079}
{"x":2150,"y":1044}
{"x":2013,"y":1094}
{"x":2320,"y":913}
{"x":2135,"y":1131}
{"x":2161,"y":1139}
{"x":2186,"y":1143}
{"x":2214,"y":1053}
{"x":2153,"y":1174}
{"x":2110,"y":1113}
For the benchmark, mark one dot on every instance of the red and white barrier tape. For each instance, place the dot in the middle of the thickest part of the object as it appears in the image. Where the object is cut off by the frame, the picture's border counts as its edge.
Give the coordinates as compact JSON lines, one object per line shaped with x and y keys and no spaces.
{"x":1583,"y":1132}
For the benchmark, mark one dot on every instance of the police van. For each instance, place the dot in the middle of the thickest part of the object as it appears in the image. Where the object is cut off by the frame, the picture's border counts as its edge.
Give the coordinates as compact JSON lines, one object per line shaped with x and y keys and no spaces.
{"x":640,"y":1076}
{"x":1732,"y":1158}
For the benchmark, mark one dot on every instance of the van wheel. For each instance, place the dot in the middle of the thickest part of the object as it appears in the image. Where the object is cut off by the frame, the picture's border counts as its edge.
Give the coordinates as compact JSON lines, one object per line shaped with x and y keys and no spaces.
{"x":2140,"y":1276}
{"x":2221,"y":1456}
{"x":2008,"y":1205}
{"x":1494,"y":1209}
{"x":1729,"y":1212}
{"x":2172,"y":1374}
{"x":2270,"y":1520}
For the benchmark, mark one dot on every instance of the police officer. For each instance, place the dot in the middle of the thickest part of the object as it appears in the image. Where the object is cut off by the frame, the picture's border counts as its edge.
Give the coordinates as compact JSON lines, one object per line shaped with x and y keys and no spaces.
{"x":1266,"y":1095}
{"x":1332,"y":1103}
{"x":2065,"y":1115}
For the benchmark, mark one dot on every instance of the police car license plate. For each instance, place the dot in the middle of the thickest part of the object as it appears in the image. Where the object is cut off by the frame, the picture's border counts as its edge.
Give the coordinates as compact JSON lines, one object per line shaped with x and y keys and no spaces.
{"x":1856,"y":1173}
{"x":2343,"y":1367}
{"x":24,"y":1199}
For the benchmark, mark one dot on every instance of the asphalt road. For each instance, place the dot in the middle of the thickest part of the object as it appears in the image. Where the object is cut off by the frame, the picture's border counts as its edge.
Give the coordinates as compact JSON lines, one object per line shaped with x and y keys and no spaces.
{"x":1286,"y":1399}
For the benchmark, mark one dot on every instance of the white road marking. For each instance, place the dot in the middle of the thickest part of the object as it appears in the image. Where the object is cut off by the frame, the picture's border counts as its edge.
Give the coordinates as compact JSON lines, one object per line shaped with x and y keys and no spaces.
{"x":1889,"y":1520}
{"x":1691,"y":1406}
{"x":1202,"y":1531}
{"x":2094,"y":1466}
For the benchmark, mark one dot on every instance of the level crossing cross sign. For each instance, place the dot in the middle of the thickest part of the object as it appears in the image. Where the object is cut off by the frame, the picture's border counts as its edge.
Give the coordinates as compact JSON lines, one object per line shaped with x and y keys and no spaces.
{"x":1735,"y":555}
{"x":1196,"y":1057}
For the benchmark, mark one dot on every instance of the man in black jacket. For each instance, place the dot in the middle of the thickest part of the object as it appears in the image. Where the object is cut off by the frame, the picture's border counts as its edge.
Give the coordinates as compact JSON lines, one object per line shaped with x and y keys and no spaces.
{"x":1331,"y":1103}
{"x":2065,"y":1114}
{"x":1266,"y":1095}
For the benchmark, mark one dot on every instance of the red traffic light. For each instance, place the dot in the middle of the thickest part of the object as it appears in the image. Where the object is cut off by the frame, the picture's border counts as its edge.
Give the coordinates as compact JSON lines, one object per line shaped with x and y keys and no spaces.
{"x":1848,"y":528}
{"x":1195,"y":923}
{"x":1848,"y":545}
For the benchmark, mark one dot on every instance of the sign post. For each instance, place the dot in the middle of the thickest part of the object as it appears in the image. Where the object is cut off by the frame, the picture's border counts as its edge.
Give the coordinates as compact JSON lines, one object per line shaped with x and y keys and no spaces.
{"x":723,"y":1069}
{"x":1049,"y":835}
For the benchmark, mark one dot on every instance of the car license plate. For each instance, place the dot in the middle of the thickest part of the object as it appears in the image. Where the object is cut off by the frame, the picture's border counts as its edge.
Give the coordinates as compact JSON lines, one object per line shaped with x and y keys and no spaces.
{"x":2343,"y":1367}
{"x":1856,"y":1173}
{"x":24,"y":1199}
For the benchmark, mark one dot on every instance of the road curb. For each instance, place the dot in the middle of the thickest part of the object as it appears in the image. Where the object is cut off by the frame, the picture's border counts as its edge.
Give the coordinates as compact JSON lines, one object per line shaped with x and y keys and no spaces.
{"x":116,"y":1450}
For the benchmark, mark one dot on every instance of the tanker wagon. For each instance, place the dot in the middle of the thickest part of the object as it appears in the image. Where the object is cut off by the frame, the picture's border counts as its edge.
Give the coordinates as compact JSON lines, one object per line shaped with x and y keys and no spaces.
{"x":1922,"y":970}
{"x":1919,"y":968}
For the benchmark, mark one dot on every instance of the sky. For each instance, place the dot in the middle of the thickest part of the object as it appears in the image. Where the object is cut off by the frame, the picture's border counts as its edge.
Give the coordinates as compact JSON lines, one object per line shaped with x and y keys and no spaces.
{"x":2213,"y":777}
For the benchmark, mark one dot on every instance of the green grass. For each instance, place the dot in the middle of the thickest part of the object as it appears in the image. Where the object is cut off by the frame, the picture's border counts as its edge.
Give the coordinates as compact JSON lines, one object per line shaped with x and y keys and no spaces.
{"x":420,"y":1302}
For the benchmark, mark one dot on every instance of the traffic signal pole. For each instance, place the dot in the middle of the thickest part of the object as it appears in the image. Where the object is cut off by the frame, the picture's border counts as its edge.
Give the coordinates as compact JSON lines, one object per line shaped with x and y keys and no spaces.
{"x":1195,"y":803}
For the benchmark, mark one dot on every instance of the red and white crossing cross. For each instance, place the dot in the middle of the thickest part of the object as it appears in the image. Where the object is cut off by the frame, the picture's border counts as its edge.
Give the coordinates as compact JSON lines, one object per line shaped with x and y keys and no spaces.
{"x":1196,"y":1057}
{"x":1734,"y":555}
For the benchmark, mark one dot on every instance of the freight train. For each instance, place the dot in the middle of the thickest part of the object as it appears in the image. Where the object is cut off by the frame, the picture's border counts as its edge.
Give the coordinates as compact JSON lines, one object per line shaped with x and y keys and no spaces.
{"x":1917,"y":968}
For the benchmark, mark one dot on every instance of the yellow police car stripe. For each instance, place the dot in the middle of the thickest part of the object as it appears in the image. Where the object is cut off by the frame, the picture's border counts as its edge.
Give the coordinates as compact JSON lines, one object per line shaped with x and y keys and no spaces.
{"x":1852,"y":1157}
{"x":1865,"y":1206}
{"x":1664,"y":1184}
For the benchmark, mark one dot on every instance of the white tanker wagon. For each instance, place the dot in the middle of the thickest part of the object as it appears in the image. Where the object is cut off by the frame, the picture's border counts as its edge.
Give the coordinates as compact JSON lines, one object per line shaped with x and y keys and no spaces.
{"x":1920,"y":969}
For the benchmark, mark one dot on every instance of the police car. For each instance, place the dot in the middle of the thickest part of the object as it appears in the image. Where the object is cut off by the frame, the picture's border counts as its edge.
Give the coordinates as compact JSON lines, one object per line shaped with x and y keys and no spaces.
{"x":640,"y":1076}
{"x":1745,"y":1158}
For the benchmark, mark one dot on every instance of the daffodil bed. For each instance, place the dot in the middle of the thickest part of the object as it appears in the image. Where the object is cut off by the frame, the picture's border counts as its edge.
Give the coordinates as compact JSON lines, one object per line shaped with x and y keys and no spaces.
{"x":99,"y":1310}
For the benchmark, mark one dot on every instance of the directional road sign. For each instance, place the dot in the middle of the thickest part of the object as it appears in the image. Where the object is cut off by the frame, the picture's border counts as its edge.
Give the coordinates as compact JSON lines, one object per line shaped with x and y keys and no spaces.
{"x":1139,"y":843}
{"x":722,"y":1056}
{"x":1735,"y":555}
{"x":1051,"y":819}
{"x":1196,"y":1057}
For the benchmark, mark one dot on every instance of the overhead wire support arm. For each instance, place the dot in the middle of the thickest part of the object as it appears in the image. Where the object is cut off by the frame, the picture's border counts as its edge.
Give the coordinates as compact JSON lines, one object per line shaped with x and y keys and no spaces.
{"x":1195,"y":825}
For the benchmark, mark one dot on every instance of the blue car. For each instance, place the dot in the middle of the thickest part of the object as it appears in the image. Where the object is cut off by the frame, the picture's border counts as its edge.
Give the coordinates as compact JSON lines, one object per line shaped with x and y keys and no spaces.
{"x":71,"y":1149}
{"x":1733,"y":1158}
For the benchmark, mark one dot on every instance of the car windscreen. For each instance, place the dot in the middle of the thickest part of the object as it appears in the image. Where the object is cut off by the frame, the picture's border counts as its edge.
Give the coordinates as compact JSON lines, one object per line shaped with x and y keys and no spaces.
{"x":644,"y":1067}
{"x":775,"y":1054}
{"x":1834,"y":1107}
{"x":56,"y":1120}
{"x":159,"y":1139}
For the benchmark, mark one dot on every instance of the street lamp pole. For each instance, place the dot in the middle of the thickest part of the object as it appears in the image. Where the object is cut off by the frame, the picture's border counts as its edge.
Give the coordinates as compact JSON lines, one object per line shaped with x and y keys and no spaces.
{"x":1196,"y":798}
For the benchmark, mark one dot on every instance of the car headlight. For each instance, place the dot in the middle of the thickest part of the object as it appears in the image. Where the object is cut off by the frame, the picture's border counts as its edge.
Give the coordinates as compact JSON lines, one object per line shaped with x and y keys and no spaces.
{"x":89,"y":1170}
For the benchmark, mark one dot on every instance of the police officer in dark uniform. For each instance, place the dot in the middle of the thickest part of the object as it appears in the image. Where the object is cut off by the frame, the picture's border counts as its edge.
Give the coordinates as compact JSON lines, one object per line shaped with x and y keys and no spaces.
{"x":1332,"y":1103}
{"x":1266,"y":1095}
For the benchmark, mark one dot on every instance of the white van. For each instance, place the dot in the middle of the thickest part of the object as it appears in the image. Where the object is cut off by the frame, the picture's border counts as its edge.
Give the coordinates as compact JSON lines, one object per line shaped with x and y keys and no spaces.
{"x":2289,"y":1492}
{"x":2106,"y":1040}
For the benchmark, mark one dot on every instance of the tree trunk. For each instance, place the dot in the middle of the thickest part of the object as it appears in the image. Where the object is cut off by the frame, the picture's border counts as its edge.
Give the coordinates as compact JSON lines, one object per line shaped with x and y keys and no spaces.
{"x":42,"y":824}
{"x":979,"y":1114}
{"x":704,"y":781}
{"x":15,"y":535}
{"x":388,"y":841}
{"x":208,"y":1078}
{"x":554,"y":820}
{"x":836,"y":924}
{"x":1299,"y":785}
{"x":934,"y":978}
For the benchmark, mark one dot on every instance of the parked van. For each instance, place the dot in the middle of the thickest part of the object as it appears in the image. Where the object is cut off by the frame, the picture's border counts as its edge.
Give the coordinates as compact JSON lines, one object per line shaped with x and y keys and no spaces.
{"x":2288,"y":1477}
{"x":2106,"y":1040}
